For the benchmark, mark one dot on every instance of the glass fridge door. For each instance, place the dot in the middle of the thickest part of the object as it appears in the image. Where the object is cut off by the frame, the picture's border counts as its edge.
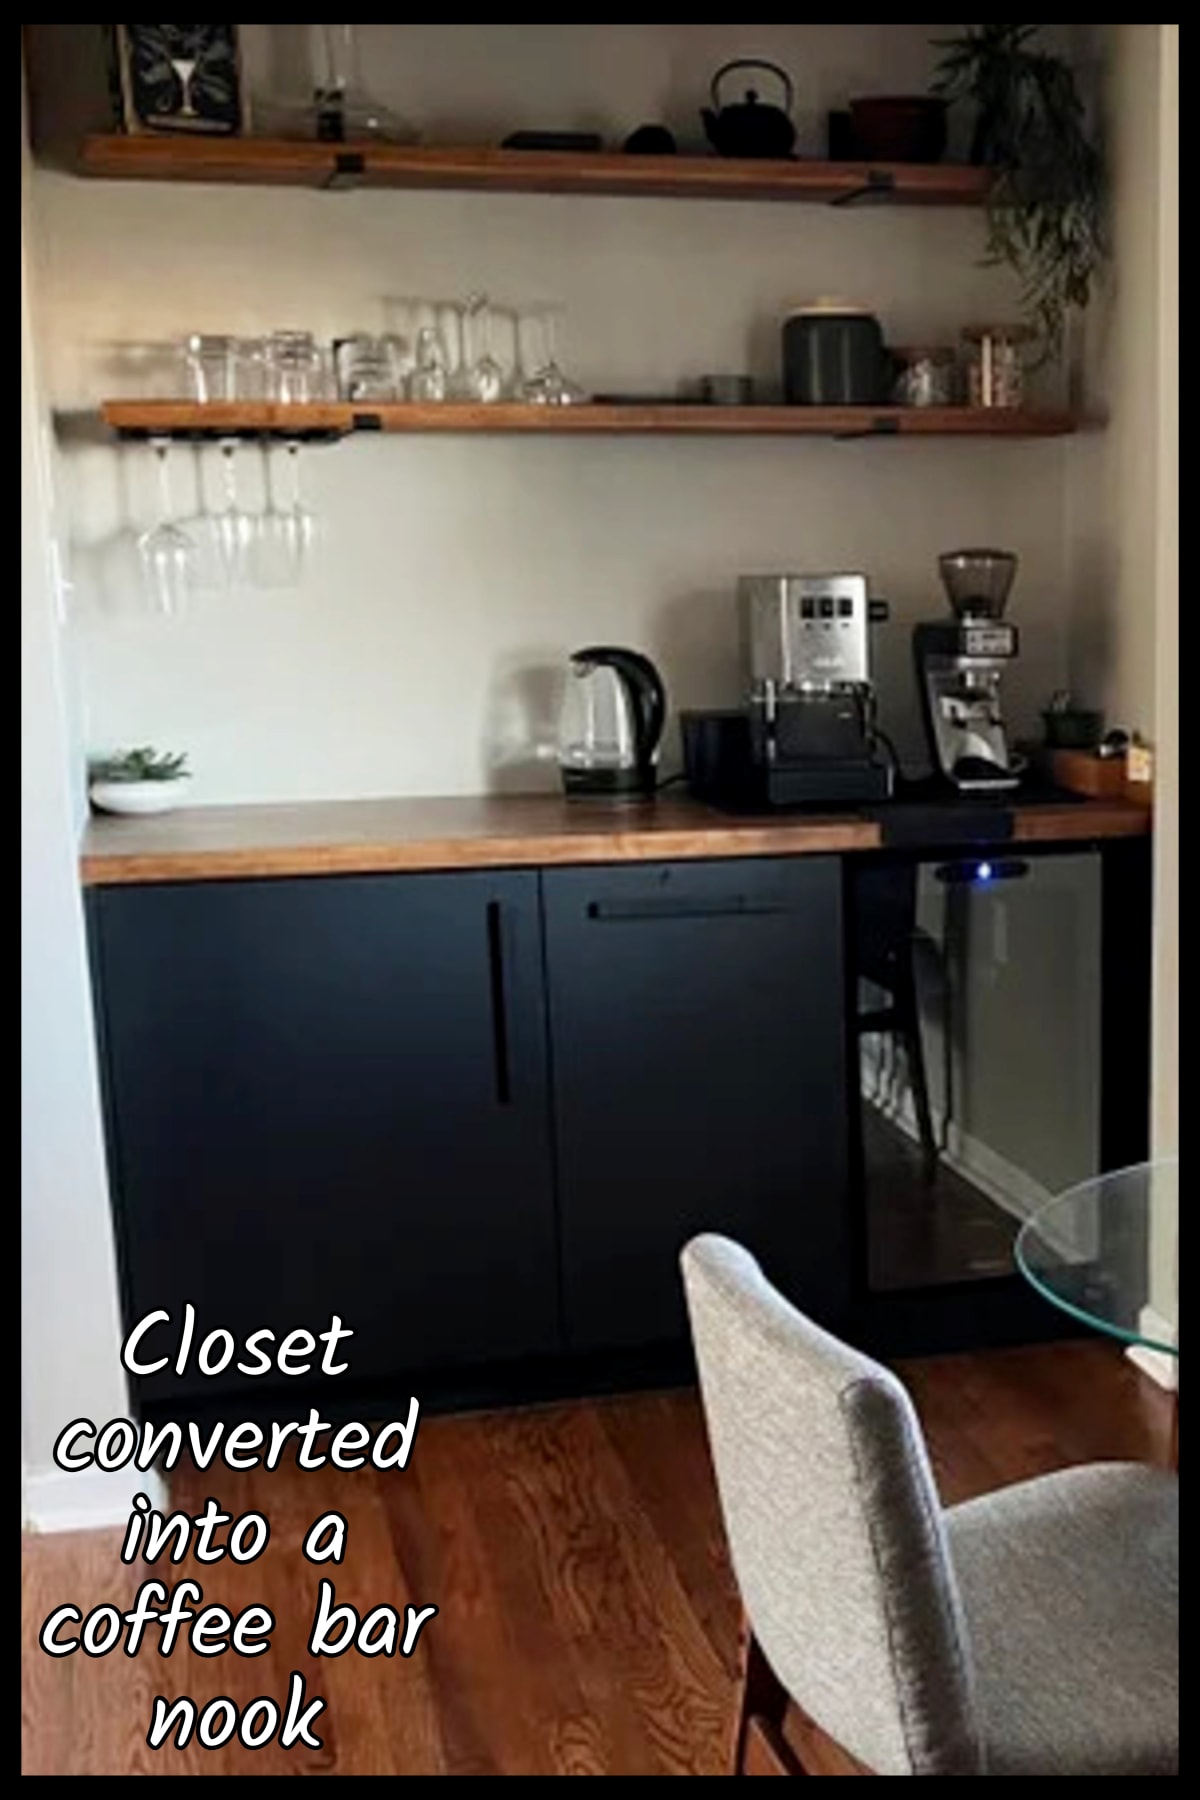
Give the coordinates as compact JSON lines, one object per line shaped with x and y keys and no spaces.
{"x":978,"y":1029}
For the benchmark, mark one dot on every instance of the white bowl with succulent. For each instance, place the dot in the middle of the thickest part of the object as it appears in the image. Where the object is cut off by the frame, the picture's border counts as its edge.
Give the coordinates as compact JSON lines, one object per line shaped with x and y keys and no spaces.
{"x":143,"y":780}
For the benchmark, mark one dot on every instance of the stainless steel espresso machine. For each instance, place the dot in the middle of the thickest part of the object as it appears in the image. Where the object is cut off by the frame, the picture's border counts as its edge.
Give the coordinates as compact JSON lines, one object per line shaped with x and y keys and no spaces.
{"x":960,"y":665}
{"x":806,"y":735}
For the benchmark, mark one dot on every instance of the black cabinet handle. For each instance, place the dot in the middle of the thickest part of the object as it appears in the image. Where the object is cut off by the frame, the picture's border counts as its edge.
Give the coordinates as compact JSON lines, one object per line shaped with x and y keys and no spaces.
{"x":500,"y":1055}
{"x":628,"y":912}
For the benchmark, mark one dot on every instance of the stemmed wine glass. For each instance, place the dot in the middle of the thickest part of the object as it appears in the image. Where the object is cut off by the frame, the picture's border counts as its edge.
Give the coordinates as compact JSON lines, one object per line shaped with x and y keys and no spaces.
{"x":303,"y":521}
{"x":484,"y":378}
{"x":548,"y":386}
{"x":168,"y":554}
{"x":233,"y":525}
{"x":283,"y":533}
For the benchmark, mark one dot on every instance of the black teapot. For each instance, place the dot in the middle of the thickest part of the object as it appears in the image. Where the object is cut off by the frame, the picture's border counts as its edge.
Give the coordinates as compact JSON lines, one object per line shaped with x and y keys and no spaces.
{"x":749,"y":127}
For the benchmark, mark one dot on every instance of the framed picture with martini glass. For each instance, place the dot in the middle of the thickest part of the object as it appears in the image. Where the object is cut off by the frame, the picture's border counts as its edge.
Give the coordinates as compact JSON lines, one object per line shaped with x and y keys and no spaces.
{"x":182,"y":78}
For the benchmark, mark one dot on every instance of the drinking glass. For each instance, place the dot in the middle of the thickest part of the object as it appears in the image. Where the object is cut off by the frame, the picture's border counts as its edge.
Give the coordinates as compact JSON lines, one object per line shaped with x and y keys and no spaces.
{"x":429,"y":380}
{"x":295,"y":370}
{"x":548,"y":386}
{"x":168,"y":555}
{"x":485,"y":381}
{"x":252,"y":378}
{"x":211,"y":364}
{"x":366,"y":368}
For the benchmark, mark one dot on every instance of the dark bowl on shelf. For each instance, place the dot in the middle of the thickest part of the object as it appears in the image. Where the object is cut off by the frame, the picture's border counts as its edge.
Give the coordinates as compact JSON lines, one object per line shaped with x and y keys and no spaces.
{"x":903,"y":128}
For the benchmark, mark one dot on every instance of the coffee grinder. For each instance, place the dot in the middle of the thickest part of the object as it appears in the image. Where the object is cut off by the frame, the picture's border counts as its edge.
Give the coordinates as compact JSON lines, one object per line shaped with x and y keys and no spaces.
{"x":960,"y":664}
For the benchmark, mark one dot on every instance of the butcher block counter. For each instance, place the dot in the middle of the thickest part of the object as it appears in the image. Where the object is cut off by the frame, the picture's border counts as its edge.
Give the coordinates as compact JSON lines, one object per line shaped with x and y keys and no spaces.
{"x":346,"y":837}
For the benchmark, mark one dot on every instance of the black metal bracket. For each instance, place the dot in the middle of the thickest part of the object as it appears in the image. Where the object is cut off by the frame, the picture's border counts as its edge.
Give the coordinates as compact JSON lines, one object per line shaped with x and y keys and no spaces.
{"x":349,"y":167}
{"x":880,"y":425}
{"x":878,"y":183}
{"x":140,"y":434}
{"x":365,"y":421}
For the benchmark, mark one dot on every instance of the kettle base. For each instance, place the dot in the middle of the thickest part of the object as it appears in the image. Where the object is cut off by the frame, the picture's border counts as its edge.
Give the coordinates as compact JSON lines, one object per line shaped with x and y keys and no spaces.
{"x":607,"y":784}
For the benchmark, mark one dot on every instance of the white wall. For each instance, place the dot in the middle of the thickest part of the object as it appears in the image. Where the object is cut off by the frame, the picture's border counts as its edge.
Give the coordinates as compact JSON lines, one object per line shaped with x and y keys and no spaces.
{"x":454,"y":576}
{"x":1124,"y":500}
{"x":70,"y":1329}
{"x":1166,"y":866}
{"x":1114,"y":483}
{"x":1124,"y":481}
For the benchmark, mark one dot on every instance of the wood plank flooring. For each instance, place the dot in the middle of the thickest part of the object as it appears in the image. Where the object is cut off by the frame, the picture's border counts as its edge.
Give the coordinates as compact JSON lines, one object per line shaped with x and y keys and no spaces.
{"x":588,"y":1618}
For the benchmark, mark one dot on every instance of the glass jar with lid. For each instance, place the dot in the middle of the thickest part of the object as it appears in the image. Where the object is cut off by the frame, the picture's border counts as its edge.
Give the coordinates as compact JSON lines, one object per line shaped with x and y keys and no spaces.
{"x":995,"y":356}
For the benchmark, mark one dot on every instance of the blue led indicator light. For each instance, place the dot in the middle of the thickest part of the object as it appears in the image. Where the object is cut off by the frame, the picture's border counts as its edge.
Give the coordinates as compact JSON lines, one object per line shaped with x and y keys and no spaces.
{"x":984,"y":871}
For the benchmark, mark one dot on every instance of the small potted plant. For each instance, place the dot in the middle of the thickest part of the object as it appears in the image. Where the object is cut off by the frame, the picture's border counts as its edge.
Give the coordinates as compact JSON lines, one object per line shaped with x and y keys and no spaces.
{"x":143,"y":780}
{"x":1046,"y":208}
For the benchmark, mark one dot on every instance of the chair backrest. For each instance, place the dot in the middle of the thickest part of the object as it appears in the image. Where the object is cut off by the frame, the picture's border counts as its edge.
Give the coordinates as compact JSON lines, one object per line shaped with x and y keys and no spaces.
{"x":834,"y":1524}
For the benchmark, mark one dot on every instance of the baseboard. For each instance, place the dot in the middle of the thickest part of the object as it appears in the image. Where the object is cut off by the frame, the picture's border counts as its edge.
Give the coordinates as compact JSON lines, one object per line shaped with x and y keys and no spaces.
{"x":1160,"y":1367}
{"x":91,"y":1500}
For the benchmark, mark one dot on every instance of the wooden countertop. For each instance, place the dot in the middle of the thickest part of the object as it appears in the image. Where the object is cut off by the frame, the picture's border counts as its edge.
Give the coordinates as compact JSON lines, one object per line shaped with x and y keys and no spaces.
{"x":341,"y":837}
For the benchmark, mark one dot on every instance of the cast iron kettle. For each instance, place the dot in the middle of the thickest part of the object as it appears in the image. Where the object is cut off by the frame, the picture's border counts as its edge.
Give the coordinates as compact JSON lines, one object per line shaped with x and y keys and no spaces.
{"x":749,"y":127}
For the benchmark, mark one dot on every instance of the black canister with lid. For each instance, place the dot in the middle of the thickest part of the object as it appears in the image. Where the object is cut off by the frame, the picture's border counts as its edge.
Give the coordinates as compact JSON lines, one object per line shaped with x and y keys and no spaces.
{"x":834,"y":355}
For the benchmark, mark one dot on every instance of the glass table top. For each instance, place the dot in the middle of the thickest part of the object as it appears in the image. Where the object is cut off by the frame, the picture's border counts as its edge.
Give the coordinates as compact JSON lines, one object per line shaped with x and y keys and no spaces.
{"x":1105,"y":1252}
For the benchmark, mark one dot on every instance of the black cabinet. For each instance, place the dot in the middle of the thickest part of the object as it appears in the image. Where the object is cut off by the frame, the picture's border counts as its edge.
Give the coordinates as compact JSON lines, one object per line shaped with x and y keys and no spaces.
{"x":329,"y":1095}
{"x":697,"y":1026}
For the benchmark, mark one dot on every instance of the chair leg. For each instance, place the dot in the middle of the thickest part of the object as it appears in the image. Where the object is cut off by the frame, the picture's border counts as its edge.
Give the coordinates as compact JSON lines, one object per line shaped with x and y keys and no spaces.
{"x":759,"y":1747}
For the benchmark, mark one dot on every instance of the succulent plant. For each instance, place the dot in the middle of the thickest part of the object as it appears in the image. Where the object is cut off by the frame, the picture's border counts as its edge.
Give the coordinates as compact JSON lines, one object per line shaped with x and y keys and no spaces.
{"x":141,"y":764}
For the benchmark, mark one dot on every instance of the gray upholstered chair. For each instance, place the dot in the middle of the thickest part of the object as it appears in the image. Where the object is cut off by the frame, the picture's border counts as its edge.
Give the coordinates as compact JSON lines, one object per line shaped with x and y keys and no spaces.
{"x":1030,"y":1632}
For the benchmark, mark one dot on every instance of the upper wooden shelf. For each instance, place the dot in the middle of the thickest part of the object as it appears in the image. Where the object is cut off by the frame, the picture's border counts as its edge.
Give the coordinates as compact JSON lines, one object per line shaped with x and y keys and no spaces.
{"x":270,"y":162}
{"x":332,"y":419}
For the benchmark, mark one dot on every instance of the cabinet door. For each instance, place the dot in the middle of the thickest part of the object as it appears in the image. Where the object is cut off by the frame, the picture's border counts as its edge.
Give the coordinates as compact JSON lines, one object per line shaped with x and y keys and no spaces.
{"x":328,"y":1095}
{"x":697,"y":1029}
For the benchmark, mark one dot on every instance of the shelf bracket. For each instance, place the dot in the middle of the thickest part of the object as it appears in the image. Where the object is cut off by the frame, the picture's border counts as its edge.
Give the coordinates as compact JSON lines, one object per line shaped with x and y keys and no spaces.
{"x":881,"y":426}
{"x":878,"y":183}
{"x":349,"y":167}
{"x":143,"y":434}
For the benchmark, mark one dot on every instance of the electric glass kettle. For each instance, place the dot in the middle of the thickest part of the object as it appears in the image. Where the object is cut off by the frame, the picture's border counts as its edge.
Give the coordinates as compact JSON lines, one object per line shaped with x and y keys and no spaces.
{"x":611,"y":723}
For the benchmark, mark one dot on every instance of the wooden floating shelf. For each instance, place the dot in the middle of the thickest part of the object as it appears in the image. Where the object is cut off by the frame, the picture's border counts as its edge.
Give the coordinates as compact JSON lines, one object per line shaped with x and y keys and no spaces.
{"x":276,"y":162}
{"x":329,"y":419}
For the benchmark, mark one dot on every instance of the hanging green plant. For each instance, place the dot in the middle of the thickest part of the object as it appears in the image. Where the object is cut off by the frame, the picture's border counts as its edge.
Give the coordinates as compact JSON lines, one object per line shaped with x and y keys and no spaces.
{"x":1046,"y":209}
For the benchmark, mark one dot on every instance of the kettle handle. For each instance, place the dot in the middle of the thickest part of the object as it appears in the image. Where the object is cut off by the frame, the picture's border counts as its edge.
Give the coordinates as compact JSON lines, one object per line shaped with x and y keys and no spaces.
{"x":645,"y":684}
{"x":753,"y":62}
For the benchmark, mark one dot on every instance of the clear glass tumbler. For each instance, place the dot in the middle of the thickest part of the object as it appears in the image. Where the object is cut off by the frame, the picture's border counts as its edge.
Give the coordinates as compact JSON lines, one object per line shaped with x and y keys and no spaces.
{"x":366,"y":368}
{"x":295,"y":368}
{"x":211,"y":365}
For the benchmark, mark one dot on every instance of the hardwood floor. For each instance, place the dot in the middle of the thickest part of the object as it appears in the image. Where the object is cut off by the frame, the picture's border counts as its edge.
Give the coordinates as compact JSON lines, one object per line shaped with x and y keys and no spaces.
{"x":588,"y":1620}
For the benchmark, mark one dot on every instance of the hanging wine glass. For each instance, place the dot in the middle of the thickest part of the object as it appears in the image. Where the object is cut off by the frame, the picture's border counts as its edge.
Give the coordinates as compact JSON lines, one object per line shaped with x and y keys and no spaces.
{"x":485,"y":378}
{"x":234,"y":526}
{"x":168,"y":555}
{"x":303,"y":521}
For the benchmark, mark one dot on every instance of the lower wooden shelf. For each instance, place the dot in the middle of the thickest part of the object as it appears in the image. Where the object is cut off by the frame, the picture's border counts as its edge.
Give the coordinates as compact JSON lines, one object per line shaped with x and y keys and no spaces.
{"x":330,"y":419}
